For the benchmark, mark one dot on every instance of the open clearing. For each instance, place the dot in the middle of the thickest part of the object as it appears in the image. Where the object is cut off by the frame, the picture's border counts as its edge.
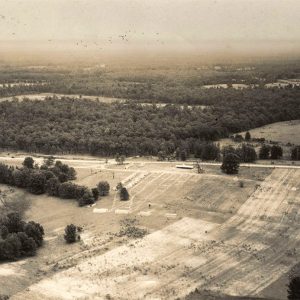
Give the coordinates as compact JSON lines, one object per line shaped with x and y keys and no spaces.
{"x":43,"y":96}
{"x":283,"y":132}
{"x":204,"y":230}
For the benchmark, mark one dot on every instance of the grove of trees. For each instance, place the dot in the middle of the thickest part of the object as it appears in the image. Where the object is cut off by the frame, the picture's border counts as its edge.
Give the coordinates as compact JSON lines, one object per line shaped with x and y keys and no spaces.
{"x":52,"y":179}
{"x":19,"y":238}
{"x":86,"y":126}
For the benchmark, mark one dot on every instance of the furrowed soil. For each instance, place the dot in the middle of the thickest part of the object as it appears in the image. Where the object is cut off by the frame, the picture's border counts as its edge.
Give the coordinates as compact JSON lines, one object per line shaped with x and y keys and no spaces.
{"x":204,"y":231}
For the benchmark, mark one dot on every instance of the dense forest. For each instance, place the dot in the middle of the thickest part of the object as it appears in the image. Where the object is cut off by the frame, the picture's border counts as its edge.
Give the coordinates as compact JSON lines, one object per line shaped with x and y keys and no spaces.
{"x":84,"y":126}
{"x":149,"y":83}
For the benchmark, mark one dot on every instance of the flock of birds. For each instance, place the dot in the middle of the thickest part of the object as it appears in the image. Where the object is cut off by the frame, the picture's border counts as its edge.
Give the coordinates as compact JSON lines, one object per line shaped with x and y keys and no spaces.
{"x":126,"y":37}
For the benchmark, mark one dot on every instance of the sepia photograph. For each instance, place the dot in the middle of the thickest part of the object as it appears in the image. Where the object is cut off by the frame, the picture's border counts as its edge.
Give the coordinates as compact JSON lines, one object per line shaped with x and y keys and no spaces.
{"x":149,"y":150}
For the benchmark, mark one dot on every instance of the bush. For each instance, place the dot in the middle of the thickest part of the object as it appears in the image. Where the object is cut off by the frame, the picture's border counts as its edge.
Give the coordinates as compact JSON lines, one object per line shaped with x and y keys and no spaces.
{"x":264,"y":152}
{"x":21,"y":177}
{"x":71,"y":234}
{"x":11,"y":247}
{"x":86,"y":199}
{"x":29,"y":245}
{"x":6,"y":174}
{"x":35,"y":231}
{"x":246,"y":153}
{"x":63,"y":172}
{"x":276,"y":152}
{"x":124,"y":195}
{"x":230,"y":164}
{"x":37,"y":183}
{"x":295,"y":153}
{"x":95,"y":193}
{"x":13,"y":222}
{"x":103,"y":187}
{"x":52,"y":187}
{"x":28,"y":162}
{"x":68,"y":190}
{"x":247,"y":136}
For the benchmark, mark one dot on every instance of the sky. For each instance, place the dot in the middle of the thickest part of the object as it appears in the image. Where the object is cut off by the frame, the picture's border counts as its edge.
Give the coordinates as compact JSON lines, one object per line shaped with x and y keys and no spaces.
{"x":104,"y":25}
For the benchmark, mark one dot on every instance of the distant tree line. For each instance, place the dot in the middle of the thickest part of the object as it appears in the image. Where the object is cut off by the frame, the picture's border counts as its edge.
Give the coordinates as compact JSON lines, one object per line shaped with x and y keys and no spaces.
{"x":84,"y":126}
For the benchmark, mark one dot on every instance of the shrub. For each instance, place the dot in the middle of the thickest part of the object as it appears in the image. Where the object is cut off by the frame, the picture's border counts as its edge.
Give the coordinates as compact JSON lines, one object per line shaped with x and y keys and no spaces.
{"x":29,"y":245}
{"x":63,"y":172}
{"x":264,"y":152}
{"x":230,"y":164}
{"x":13,"y":222}
{"x":124,"y":195}
{"x":52,"y":186}
{"x":246,"y":153}
{"x":70,"y":234}
{"x":6,"y":174}
{"x":295,"y":153}
{"x":247,"y":136}
{"x":95,"y":193}
{"x":35,"y":231}
{"x":86,"y":199}
{"x":103,"y":187}
{"x":12,"y":247}
{"x":68,"y":190}
{"x":21,"y":177}
{"x":276,"y":152}
{"x":37,"y":183}
{"x":28,"y":162}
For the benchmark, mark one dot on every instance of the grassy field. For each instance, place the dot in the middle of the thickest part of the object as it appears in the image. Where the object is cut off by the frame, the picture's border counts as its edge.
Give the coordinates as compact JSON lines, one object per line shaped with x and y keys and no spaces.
{"x":282,"y":132}
{"x":204,"y":231}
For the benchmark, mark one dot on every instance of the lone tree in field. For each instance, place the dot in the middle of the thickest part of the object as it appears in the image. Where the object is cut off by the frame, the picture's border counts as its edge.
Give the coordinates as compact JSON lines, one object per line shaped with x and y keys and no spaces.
{"x":247,"y":136}
{"x":264,"y":152}
{"x":28,"y":162}
{"x":124,"y":195}
{"x":230,"y":164}
{"x":103,"y":188}
{"x":71,"y":234}
{"x":294,"y":289}
{"x":276,"y":152}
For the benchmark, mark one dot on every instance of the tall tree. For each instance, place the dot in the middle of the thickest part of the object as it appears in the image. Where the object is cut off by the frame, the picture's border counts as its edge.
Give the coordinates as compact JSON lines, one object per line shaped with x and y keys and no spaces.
{"x":230,"y":164}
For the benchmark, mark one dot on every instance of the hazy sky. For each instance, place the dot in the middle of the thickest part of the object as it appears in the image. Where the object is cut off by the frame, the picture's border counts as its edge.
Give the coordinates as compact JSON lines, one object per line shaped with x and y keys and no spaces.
{"x":102,"y":24}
